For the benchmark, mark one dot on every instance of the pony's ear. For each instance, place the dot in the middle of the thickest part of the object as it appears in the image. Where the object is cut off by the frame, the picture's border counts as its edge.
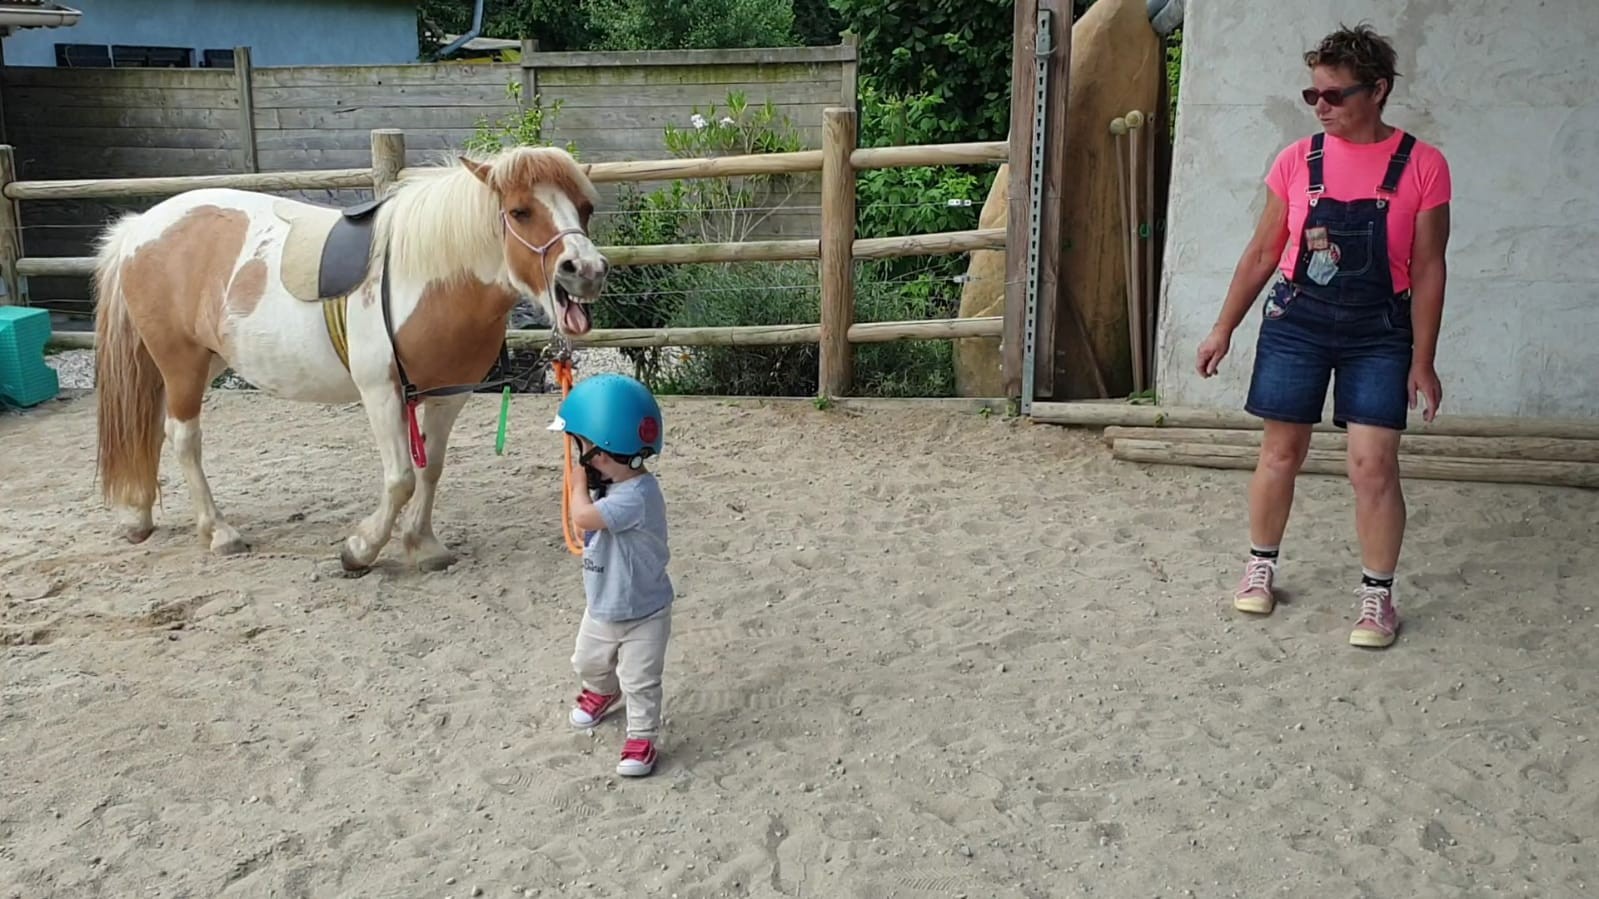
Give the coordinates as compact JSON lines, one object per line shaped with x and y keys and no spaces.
{"x":480,"y":169}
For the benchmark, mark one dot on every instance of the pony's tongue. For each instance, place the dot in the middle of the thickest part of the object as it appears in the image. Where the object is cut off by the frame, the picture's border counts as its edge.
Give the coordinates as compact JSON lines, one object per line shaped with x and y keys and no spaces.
{"x":574,"y":318}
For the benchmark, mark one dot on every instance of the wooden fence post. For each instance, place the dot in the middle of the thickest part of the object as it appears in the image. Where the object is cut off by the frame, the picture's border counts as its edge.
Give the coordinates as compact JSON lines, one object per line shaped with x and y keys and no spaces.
{"x":244,"y":75}
{"x":388,"y":157}
{"x":10,"y":232}
{"x":849,"y":74}
{"x":530,"y":73}
{"x":836,"y":369}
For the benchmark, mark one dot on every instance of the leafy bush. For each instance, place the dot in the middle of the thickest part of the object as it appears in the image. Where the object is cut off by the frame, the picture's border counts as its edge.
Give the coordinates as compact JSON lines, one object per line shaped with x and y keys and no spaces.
{"x":746,"y":294}
{"x":920,"y":200}
{"x":523,"y":128}
{"x":692,"y":24}
{"x":694,"y":210}
{"x":942,"y":50}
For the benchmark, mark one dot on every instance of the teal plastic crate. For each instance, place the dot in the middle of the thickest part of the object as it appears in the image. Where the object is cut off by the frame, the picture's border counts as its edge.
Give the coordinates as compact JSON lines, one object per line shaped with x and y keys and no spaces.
{"x":24,"y":378}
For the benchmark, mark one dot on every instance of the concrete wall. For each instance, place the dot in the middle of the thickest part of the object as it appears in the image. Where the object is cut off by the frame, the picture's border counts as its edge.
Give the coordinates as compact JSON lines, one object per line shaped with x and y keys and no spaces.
{"x":278,"y":32}
{"x":1507,"y":90}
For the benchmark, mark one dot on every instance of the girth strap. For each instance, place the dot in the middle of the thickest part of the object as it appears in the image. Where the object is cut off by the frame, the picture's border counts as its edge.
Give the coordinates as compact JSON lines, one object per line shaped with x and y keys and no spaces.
{"x":409,"y":391}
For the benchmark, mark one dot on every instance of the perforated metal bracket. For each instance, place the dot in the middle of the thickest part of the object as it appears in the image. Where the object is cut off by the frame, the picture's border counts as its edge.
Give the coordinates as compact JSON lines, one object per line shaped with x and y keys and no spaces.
{"x":1044,"y":48}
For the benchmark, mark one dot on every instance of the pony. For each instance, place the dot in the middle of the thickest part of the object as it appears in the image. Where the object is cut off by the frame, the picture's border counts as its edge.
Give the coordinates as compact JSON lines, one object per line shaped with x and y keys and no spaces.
{"x":196,"y":284}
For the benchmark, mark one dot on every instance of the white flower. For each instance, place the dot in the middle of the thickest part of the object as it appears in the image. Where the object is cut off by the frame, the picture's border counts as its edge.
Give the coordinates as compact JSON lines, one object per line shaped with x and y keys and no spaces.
{"x":698,"y":121}
{"x":727,"y":120}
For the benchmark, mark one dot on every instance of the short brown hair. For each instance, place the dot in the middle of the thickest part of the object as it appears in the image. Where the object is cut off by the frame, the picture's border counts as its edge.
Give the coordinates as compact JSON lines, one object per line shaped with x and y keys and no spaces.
{"x":1362,"y":51}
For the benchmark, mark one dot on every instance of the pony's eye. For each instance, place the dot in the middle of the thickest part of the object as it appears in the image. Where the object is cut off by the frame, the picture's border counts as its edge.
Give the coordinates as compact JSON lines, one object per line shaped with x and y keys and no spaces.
{"x":519,"y":214}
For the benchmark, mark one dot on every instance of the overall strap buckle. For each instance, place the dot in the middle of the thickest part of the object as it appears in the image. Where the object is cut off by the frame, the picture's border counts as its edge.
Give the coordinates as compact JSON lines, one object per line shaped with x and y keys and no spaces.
{"x":1313,"y":159}
{"x":1397,"y":163}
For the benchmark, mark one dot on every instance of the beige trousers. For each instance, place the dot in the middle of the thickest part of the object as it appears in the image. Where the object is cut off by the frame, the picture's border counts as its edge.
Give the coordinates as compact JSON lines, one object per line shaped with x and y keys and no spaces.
{"x":627,"y":656}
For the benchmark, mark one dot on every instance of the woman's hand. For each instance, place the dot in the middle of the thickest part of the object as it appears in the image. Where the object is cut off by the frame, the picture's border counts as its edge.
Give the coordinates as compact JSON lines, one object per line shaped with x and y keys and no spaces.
{"x":1424,"y":380}
{"x":1213,"y":349}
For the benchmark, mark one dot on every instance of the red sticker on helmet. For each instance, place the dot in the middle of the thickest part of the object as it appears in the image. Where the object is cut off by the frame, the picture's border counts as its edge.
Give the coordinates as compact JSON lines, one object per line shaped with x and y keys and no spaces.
{"x":649,"y":429}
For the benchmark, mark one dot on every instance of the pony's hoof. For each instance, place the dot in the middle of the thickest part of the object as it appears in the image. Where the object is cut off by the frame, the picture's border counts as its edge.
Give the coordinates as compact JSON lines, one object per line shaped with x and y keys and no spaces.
{"x":138,"y":533}
{"x":224,"y":545}
{"x":351,"y":564}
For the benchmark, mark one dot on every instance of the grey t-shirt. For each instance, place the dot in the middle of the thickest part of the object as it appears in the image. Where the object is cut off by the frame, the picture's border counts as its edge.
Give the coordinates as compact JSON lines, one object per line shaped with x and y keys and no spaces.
{"x":624,"y":565}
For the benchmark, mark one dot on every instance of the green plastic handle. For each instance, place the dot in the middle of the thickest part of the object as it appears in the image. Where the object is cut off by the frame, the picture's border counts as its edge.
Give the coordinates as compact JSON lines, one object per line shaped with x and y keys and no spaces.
{"x":505,"y":411}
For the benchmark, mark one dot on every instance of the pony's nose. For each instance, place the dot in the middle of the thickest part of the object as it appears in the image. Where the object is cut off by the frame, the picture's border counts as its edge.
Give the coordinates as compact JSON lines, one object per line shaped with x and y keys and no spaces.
{"x":588,"y":270}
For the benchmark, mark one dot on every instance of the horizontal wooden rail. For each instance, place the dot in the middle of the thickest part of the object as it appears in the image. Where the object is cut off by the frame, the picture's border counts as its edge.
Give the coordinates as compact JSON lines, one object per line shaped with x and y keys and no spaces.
{"x":93,"y":188}
{"x":684,"y":253}
{"x":915,"y":156}
{"x":930,"y":244}
{"x":599,"y":172}
{"x":838,"y":161}
{"x":773,"y":335}
{"x":748,"y":335}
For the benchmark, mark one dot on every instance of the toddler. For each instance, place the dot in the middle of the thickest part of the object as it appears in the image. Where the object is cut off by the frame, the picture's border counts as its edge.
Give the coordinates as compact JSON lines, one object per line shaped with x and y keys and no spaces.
{"x":615,"y":424}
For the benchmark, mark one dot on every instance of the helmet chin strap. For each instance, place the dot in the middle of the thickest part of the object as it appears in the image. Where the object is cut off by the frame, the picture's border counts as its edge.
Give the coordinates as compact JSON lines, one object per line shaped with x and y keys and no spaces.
{"x":597,"y":481}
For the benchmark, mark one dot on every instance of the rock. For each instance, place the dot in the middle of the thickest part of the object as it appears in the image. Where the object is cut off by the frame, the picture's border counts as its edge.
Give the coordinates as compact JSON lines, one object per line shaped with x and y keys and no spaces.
{"x":977,"y":359}
{"x":1116,"y":67}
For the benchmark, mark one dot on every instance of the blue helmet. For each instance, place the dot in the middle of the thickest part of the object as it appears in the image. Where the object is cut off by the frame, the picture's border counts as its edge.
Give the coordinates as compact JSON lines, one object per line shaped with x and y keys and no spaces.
{"x":614,"y":412}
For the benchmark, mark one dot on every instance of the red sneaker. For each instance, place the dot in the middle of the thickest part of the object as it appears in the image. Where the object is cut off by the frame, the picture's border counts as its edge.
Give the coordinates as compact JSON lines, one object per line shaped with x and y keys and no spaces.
{"x":638,"y":758}
{"x":591,"y":707}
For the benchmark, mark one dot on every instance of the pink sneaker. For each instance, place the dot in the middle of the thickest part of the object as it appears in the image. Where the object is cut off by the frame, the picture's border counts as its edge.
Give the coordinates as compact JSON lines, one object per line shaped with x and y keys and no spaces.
{"x":638,"y":758}
{"x":1378,"y":622}
{"x":591,"y":707}
{"x":1254,"y":591}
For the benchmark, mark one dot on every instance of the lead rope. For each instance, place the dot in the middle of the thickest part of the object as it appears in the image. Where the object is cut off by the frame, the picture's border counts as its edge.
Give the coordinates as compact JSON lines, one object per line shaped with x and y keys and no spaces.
{"x":563,"y":377}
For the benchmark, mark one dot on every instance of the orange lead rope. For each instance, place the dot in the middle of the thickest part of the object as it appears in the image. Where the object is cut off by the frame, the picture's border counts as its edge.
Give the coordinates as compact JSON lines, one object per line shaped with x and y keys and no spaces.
{"x":563,"y":377}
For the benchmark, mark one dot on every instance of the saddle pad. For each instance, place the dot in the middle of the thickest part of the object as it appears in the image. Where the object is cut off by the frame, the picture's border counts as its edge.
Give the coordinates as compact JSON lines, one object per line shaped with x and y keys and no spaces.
{"x":327,"y":251}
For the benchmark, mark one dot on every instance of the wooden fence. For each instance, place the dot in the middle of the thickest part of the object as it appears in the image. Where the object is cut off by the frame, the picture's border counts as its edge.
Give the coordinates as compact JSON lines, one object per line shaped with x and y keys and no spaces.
{"x":838,"y":160}
{"x":103,"y":123}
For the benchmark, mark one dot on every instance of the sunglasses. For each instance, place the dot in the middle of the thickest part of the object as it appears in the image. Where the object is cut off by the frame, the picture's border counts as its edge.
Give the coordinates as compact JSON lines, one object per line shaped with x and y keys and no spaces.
{"x":1334,"y":96}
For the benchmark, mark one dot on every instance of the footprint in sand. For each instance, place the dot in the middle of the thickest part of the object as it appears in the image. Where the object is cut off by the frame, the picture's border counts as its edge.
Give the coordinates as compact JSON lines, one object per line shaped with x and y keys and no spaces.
{"x":1539,"y":775}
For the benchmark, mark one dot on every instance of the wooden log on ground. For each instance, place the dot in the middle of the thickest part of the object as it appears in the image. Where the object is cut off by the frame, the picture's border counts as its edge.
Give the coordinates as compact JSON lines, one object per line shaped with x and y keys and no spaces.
{"x":1549,"y":449}
{"x":1330,"y":462}
{"x":1099,"y":415}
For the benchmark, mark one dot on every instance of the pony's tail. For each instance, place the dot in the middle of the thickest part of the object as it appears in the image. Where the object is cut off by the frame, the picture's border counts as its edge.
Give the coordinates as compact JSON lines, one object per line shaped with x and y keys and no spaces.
{"x":128,"y":388}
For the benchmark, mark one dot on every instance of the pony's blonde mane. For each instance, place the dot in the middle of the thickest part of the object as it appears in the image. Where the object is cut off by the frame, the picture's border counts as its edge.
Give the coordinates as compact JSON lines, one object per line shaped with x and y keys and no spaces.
{"x":442,"y":223}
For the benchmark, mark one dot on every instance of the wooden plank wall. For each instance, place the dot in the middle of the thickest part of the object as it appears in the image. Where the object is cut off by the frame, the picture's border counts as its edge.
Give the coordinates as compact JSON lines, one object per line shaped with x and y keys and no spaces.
{"x":90,"y":123}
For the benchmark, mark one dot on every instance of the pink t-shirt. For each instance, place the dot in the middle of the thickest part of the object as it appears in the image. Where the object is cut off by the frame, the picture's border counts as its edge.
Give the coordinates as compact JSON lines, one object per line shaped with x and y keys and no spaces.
{"x":1353,"y":172}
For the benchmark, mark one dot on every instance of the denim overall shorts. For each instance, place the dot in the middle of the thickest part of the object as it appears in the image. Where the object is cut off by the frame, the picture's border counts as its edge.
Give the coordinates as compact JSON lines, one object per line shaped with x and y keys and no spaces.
{"x":1337,"y":313}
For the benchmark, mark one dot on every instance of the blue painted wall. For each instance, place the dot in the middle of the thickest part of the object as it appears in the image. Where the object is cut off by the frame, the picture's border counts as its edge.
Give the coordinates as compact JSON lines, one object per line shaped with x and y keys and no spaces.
{"x":278,"y":32}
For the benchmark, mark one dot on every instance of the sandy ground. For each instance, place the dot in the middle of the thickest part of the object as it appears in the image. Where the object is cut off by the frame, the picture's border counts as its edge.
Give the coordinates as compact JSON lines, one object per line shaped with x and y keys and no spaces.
{"x":918,"y":653}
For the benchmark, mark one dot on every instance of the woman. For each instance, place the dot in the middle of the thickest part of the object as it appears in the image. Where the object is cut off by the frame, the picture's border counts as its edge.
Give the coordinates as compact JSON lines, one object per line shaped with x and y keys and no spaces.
{"x":1356,"y":223}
